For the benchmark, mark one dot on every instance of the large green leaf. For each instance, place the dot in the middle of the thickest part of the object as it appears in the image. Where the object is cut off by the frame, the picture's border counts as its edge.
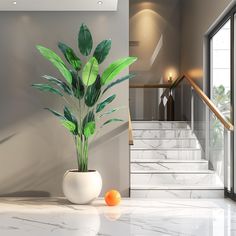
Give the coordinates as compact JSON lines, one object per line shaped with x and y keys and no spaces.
{"x":69,"y":125}
{"x":56,"y":61}
{"x":90,"y":72}
{"x":59,"y":83}
{"x":103,"y":104}
{"x":49,"y":54}
{"x":89,"y":124}
{"x":89,"y":129}
{"x":77,"y":85}
{"x":127,"y":77}
{"x":69,"y":116}
{"x":55,"y":113}
{"x":102,"y":50}
{"x":47,"y":88}
{"x":115,"y":68}
{"x":93,"y":92}
{"x":85,"y":40}
{"x":70,"y":56}
{"x":111,"y":111}
{"x":111,"y":121}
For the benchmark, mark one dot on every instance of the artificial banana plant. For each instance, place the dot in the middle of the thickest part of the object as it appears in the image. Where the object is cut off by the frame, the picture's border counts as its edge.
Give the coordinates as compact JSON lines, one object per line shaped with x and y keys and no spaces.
{"x":83,"y":89}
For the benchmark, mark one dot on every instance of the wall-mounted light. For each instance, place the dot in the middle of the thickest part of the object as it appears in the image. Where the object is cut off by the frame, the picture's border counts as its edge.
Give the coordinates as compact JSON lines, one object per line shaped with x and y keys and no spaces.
{"x":14,"y":2}
{"x":170,"y":78}
{"x":100,"y":2}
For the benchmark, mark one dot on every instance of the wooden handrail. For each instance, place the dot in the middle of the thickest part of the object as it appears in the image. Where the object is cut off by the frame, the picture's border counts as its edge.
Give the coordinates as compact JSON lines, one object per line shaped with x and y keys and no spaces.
{"x":131,"y":139}
{"x":205,"y":99}
{"x":150,"y":85}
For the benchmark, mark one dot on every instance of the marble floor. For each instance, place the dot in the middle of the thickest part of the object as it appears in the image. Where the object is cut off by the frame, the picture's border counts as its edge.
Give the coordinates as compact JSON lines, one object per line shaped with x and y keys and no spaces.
{"x":141,"y":217}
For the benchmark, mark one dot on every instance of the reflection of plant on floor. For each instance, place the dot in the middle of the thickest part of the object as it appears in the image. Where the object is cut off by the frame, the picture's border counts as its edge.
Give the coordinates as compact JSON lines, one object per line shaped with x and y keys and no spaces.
{"x":221,"y":98}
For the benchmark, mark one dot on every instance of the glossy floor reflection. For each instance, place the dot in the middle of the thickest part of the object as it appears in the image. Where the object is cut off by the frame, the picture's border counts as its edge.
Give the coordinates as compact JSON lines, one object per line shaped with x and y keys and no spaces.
{"x":43,"y":217}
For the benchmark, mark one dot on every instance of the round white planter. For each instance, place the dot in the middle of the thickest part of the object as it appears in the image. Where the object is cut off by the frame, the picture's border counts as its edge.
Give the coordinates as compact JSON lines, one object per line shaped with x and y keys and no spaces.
{"x":82,"y":187}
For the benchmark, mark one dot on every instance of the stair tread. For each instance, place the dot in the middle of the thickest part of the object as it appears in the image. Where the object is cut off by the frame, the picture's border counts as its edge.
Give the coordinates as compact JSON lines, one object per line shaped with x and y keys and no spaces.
{"x":165,"y":139}
{"x":177,"y":187}
{"x":166,"y":161}
{"x":157,"y":121}
{"x":165,"y":148}
{"x":173,"y":172}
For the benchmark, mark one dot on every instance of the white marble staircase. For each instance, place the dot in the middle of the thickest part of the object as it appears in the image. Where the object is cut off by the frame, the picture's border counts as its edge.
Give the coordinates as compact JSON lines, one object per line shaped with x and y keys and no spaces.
{"x":167,"y":161}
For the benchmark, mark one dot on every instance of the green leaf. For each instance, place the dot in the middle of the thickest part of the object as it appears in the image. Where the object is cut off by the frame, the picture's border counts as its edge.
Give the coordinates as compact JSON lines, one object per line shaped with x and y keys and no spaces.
{"x":77,"y":85}
{"x":127,"y":77}
{"x":59,"y":83}
{"x":69,"y":116}
{"x":55,"y":113}
{"x":69,"y":125}
{"x":70,"y":56}
{"x":90,"y":72}
{"x":111,"y":111}
{"x":49,"y":54}
{"x":102,"y":50}
{"x":89,"y":129}
{"x":115,"y":68}
{"x":93,"y":92}
{"x":56,"y":61}
{"x":47,"y":88}
{"x":85,"y":41}
{"x":111,"y":121}
{"x":103,"y":104}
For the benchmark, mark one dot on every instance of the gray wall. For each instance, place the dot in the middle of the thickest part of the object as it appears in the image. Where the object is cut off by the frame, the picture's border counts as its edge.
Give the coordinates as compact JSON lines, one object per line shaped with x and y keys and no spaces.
{"x":35,"y":150}
{"x":197,"y":16}
{"x":154,"y":36}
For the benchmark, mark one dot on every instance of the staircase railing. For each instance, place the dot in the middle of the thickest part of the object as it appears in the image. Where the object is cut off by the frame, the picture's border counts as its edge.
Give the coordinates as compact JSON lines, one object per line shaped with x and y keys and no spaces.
{"x":214,"y":131}
{"x":227,"y":124}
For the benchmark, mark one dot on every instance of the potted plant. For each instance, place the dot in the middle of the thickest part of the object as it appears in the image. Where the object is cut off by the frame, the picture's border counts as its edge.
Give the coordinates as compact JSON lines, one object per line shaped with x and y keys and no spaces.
{"x":83,"y":91}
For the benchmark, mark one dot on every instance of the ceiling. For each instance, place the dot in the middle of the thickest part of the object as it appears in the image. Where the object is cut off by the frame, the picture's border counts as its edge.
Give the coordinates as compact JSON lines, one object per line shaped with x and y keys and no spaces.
{"x":58,"y":5}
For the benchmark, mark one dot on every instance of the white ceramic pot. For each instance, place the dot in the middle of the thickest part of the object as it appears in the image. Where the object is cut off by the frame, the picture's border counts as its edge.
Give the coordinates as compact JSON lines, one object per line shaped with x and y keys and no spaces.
{"x":82,"y":187}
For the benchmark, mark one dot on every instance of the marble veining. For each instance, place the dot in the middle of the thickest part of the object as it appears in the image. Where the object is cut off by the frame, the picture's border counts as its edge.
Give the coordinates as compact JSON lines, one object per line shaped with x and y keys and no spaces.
{"x":174,"y":166}
{"x":180,"y":154}
{"x":180,"y":179}
{"x":163,"y":134}
{"x":136,"y":217}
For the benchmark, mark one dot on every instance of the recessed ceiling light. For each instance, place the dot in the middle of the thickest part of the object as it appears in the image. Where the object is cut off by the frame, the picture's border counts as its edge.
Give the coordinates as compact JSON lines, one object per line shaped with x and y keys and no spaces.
{"x":14,"y":2}
{"x":100,"y":2}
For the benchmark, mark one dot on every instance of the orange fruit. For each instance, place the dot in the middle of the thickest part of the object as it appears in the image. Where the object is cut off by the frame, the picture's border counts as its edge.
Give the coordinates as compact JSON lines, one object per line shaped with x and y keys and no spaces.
{"x":112,"y":198}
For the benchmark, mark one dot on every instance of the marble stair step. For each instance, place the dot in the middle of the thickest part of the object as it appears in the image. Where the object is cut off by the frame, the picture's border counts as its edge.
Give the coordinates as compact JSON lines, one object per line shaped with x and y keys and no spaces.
{"x":167,"y":165}
{"x":162,"y":134}
{"x":166,"y":154}
{"x":177,"y":187}
{"x":165,"y":143}
{"x":175,"y":192}
{"x":193,"y":178}
{"x":160,"y":125}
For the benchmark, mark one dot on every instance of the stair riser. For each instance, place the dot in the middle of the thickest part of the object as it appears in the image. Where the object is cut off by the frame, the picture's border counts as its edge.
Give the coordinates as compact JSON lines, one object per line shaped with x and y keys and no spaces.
{"x":176,"y":179}
{"x":163,"y":134}
{"x":166,"y":154}
{"x":160,"y":125}
{"x":177,"y":194}
{"x":155,"y":144}
{"x":168,"y":166}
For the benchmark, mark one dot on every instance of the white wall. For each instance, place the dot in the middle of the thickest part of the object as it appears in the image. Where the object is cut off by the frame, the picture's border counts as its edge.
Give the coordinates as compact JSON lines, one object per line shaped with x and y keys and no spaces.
{"x":35,"y":150}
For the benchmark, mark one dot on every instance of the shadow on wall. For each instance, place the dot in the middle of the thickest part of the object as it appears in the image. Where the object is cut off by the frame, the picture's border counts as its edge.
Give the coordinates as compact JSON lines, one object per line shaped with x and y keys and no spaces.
{"x":7,"y":138}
